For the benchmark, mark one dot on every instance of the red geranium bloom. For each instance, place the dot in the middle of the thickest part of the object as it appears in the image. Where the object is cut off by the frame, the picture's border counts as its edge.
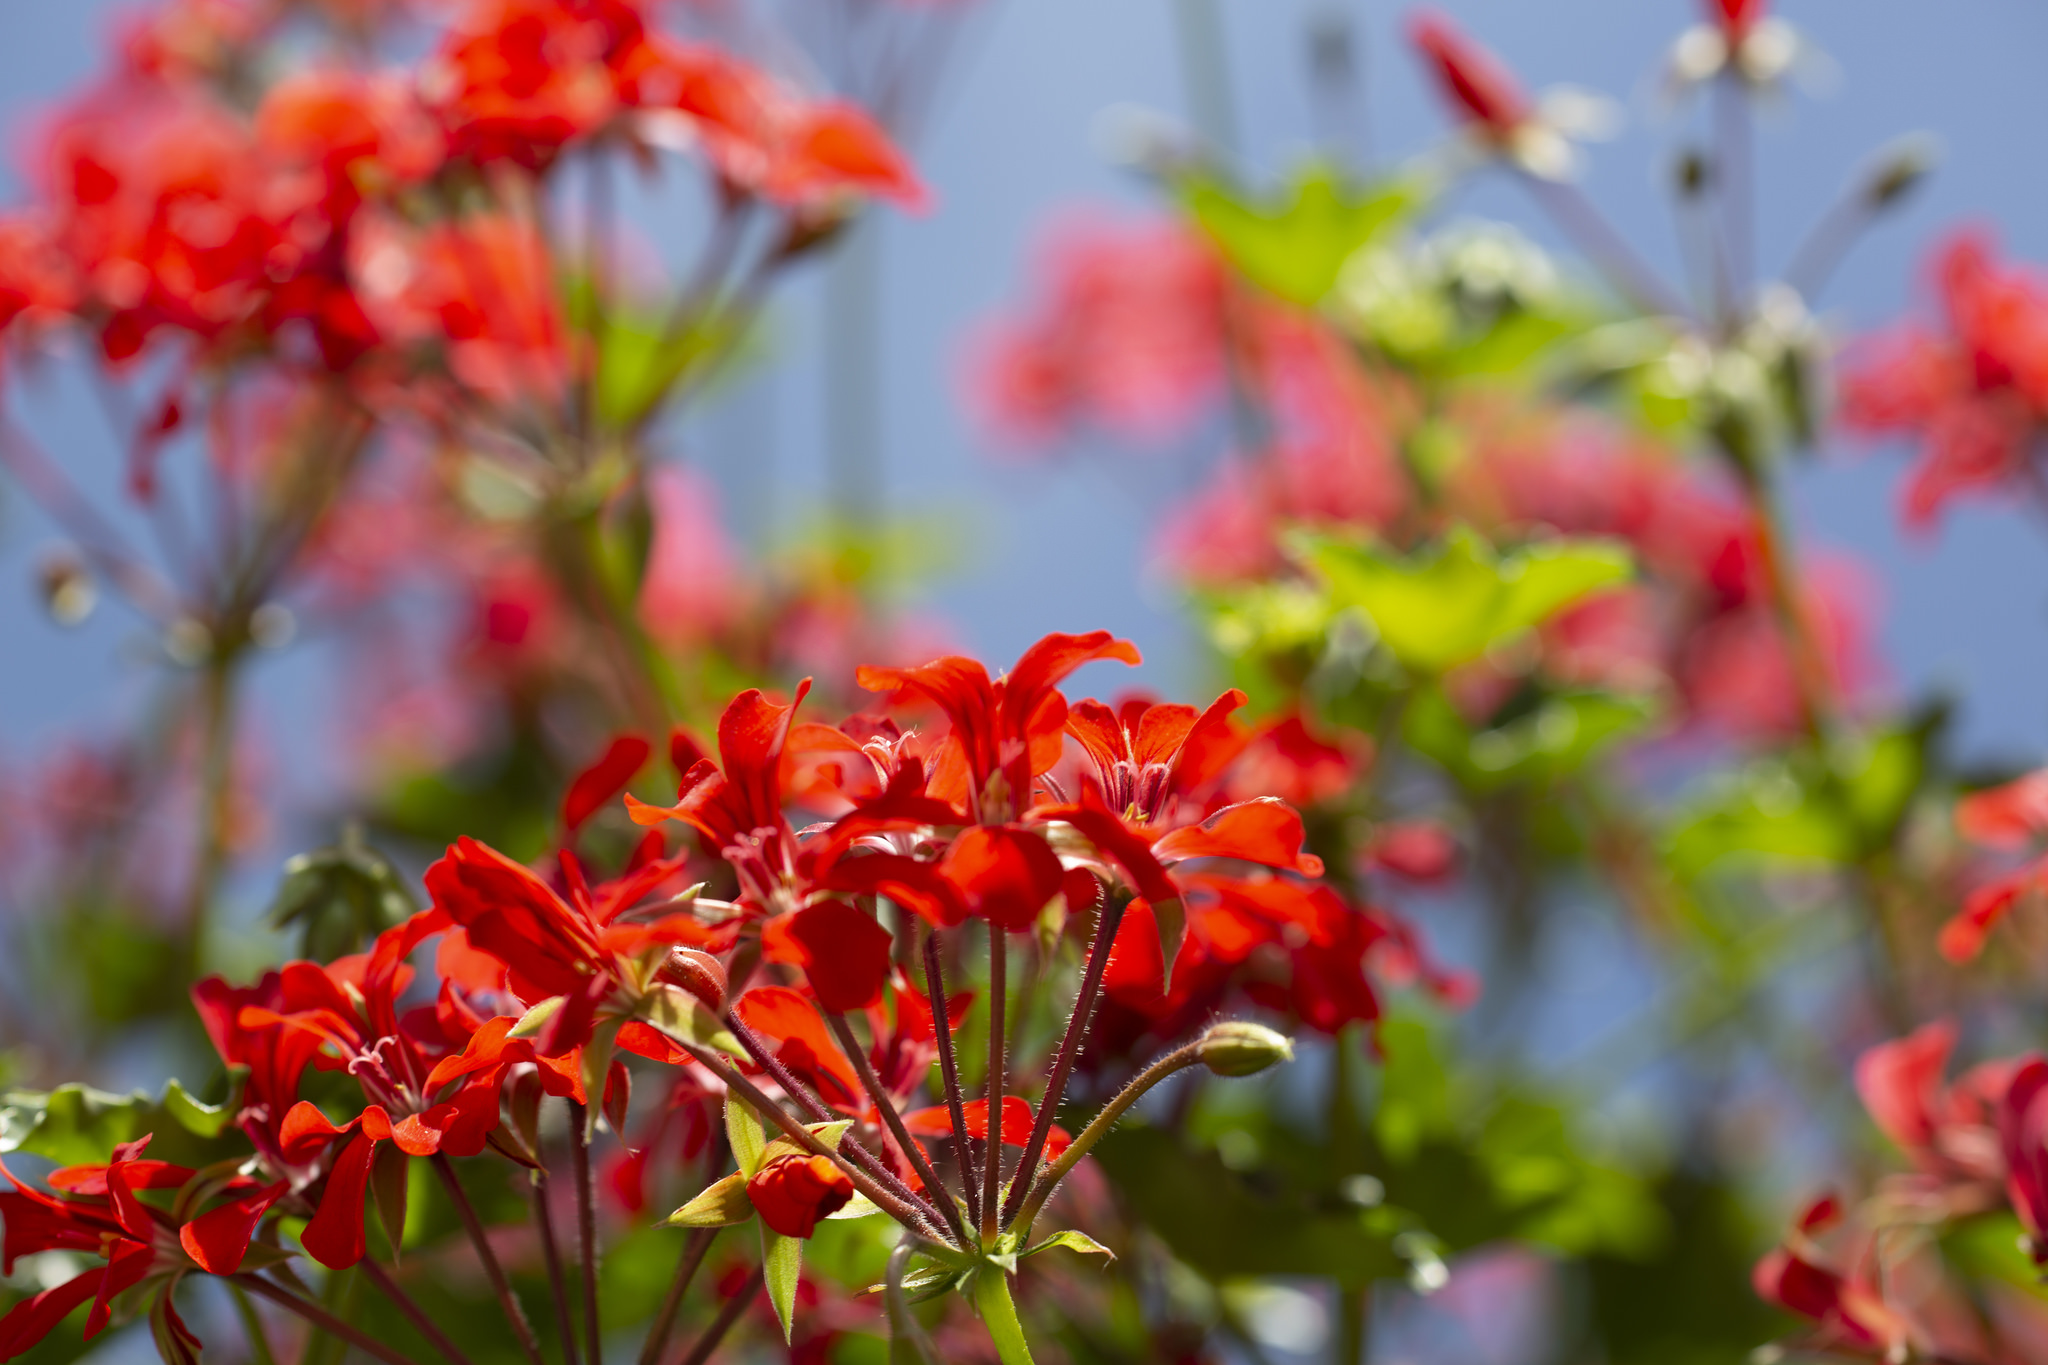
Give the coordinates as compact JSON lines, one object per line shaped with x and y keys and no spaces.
{"x":2023,"y":1140}
{"x":1004,"y":733}
{"x":1974,"y":388}
{"x":792,"y":1192}
{"x":1949,"y":1130}
{"x":101,"y":1215}
{"x":1841,"y":1292}
{"x":2012,"y":818}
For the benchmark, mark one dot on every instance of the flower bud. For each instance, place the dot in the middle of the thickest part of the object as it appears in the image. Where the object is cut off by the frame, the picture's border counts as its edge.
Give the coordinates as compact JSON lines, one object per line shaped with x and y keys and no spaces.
{"x":794,"y":1191}
{"x":1243,"y":1049}
{"x":697,"y":972}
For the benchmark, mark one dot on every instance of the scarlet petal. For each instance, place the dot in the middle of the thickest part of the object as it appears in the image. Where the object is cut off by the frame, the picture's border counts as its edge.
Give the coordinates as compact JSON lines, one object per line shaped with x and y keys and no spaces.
{"x":335,"y":1236}
{"x":1005,"y":874}
{"x":1260,"y":831}
{"x":603,"y":780}
{"x":218,"y":1240}
{"x":843,"y":951}
{"x":1900,"y":1083}
{"x":29,"y":1321}
{"x":787,"y":1019}
{"x":794,"y":1191}
{"x":306,"y":1130}
{"x":1017,"y":1118}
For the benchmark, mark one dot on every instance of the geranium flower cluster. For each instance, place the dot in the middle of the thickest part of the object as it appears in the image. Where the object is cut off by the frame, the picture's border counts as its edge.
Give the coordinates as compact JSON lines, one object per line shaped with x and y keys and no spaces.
{"x":746,"y":960}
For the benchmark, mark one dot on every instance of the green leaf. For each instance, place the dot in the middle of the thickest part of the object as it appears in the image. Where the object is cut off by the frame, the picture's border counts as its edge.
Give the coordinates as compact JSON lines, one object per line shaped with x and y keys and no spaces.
{"x":682,"y":1015}
{"x":782,"y":1260}
{"x":1448,"y":606}
{"x":1766,"y":815}
{"x":1170,"y":917}
{"x":718,"y":1205}
{"x":1295,"y":245}
{"x":597,"y":1066}
{"x":829,"y":1133}
{"x":1072,"y":1241}
{"x":536,"y":1018}
{"x":1555,"y":739}
{"x":341,"y":897}
{"x":743,"y":1131}
{"x":75,"y":1125}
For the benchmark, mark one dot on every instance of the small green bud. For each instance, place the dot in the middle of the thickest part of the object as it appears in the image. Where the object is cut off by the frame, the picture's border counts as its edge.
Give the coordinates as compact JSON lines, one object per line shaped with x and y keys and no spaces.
{"x":1243,"y":1049}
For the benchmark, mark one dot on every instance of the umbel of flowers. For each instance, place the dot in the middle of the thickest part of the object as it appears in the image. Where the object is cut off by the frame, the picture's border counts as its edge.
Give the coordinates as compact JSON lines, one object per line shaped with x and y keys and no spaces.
{"x":811,"y":998}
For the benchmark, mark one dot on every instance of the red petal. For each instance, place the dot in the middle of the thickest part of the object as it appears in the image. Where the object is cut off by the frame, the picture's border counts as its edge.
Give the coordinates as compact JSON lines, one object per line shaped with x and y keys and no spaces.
{"x":1900,"y":1083}
{"x":1017,"y":1118}
{"x":789,"y":1021}
{"x":305,"y":1131}
{"x":29,"y":1321}
{"x":844,"y":953}
{"x":2010,"y":816}
{"x":219,"y":1239}
{"x":335,"y":1236}
{"x":915,"y":885}
{"x":1264,"y":830}
{"x":1006,"y":875}
{"x":603,"y":780}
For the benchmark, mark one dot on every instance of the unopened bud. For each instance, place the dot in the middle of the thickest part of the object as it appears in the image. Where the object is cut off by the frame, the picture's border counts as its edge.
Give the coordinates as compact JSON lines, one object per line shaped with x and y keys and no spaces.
{"x":697,"y":972}
{"x":1899,"y":168}
{"x":1243,"y":1049}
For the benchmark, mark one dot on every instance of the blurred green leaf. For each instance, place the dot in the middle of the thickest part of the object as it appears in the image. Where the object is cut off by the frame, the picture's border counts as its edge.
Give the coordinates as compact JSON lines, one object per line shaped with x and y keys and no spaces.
{"x":1553,"y":740}
{"x":341,"y":897}
{"x":75,"y":1125}
{"x":1294,"y":245}
{"x":1449,"y":605}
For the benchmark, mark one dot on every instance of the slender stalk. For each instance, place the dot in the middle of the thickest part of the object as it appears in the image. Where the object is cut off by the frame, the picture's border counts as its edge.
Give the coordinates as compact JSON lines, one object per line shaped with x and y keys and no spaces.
{"x":515,"y":1313}
{"x":849,"y":1146}
{"x":918,"y":1219}
{"x":664,"y":1326}
{"x":252,"y":1324}
{"x":406,"y":1304}
{"x":1178,"y":1060}
{"x":1607,"y":248}
{"x":893,"y":1121}
{"x":727,"y":1316}
{"x":551,"y":1253}
{"x":216,"y":774}
{"x":322,"y":1319}
{"x":1735,"y":178}
{"x":586,"y":1232}
{"x":1070,"y":1051}
{"x":999,"y":1314}
{"x":992,"y":1157}
{"x":949,"y":1069}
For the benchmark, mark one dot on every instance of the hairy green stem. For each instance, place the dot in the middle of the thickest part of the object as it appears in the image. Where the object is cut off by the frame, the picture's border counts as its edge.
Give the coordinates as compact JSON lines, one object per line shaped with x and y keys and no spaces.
{"x":1178,"y":1060}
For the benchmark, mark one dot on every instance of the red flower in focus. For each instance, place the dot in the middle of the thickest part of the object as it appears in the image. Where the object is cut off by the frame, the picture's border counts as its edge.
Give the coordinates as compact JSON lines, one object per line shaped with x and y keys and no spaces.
{"x":1973,"y":389}
{"x":1148,"y":756}
{"x":1484,"y":91}
{"x":1004,"y":733}
{"x":2010,"y":818}
{"x":101,"y":1215}
{"x":792,"y":1192}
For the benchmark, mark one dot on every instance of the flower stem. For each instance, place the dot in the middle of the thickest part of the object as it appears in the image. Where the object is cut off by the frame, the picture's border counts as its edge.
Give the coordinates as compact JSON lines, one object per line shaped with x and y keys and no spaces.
{"x":919,"y":1219}
{"x":1070,"y":1050}
{"x":586,"y":1232}
{"x":551,"y":1253}
{"x":849,"y":1146}
{"x":259,"y":1340}
{"x":1178,"y":1060}
{"x":406,"y":1304}
{"x":999,"y":1314}
{"x":727,"y":1316}
{"x":515,"y":1314}
{"x":664,"y":1326}
{"x":949,"y":1069}
{"x":322,"y":1319}
{"x":893,"y":1121}
{"x":992,"y":1149}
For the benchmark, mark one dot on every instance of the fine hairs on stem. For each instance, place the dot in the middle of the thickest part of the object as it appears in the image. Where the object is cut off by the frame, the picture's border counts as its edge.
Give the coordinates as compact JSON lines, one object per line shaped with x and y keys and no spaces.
{"x":949,"y":1069}
{"x":515,"y":1312}
{"x":586,"y":1231}
{"x":872,"y":1083}
{"x":992,"y":1148}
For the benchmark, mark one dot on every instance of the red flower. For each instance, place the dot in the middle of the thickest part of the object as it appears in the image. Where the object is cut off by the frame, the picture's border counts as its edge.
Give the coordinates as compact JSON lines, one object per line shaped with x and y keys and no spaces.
{"x":2023,"y":1140}
{"x":1148,"y":757}
{"x":1975,"y":391}
{"x":1004,"y":733}
{"x":1736,"y":17}
{"x":101,"y":1215}
{"x":2011,"y":817}
{"x":1950,"y":1131}
{"x":1484,"y":91}
{"x":793,"y":1191}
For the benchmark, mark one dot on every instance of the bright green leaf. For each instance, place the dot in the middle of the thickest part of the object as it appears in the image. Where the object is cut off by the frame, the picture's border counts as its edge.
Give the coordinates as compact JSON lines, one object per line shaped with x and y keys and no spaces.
{"x":1295,"y":245}
{"x":782,"y":1260}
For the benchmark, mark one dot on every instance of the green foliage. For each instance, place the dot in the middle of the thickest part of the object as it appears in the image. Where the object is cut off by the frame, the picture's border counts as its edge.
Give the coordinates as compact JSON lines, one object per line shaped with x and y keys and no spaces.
{"x":75,"y":1125}
{"x":1449,"y":605}
{"x":1295,"y":244}
{"x":340,"y":898}
{"x":1549,"y":741}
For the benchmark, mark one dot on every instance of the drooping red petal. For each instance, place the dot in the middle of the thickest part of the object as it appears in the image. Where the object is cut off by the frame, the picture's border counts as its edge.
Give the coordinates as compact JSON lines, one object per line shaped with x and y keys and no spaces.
{"x":1484,"y":91}
{"x":510,"y":913}
{"x":141,"y":1175}
{"x":915,"y":885}
{"x":2011,"y":816}
{"x":306,"y":1131}
{"x":335,"y":1236}
{"x":219,"y":1239}
{"x":1263,"y":830}
{"x":843,"y":951}
{"x":1005,"y":874}
{"x":789,"y":1022}
{"x":1900,"y":1083}
{"x":1962,"y":938}
{"x":29,"y":1321}
{"x":128,"y":1265}
{"x":603,"y":780}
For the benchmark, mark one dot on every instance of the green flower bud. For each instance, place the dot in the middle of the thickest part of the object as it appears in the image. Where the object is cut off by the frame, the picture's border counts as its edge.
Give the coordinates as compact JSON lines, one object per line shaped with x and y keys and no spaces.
{"x":1243,"y":1049}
